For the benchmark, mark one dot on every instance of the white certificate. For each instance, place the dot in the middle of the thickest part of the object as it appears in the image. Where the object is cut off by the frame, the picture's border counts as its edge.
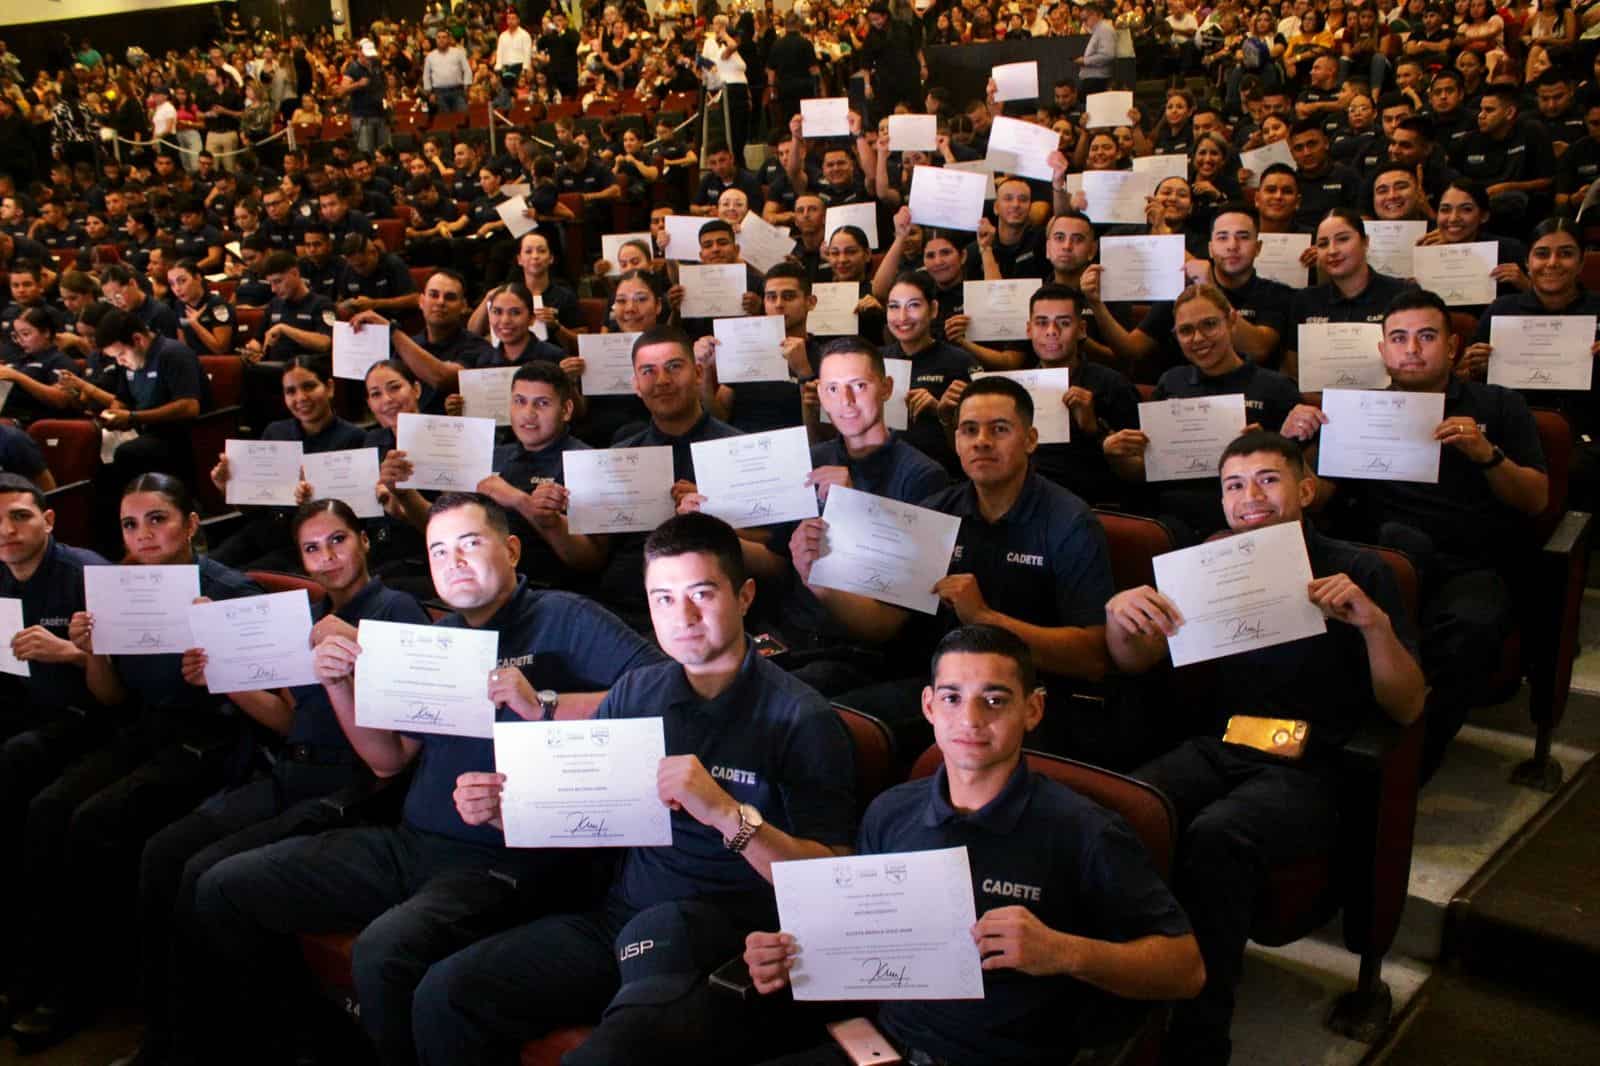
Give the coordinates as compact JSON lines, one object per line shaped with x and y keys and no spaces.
{"x":350,"y":475}
{"x":949,"y":198}
{"x":762,"y":244}
{"x":5,"y":392}
{"x":863,"y":216}
{"x":611,"y":247}
{"x":1047,"y":386}
{"x":517,"y":188}
{"x":683,"y":237}
{"x":756,"y":479}
{"x":1161,"y":167}
{"x":487,"y":393}
{"x":607,"y":363}
{"x":446,"y":454}
{"x":1341,"y":355}
{"x":585,"y":784}
{"x":1542,"y":351}
{"x":537,"y":328}
{"x":895,"y":413}
{"x":1391,"y":246}
{"x":896,"y":926}
{"x":712,"y":291}
{"x":892,"y":551}
{"x":1241,"y":593}
{"x":977,"y":166}
{"x":511,"y":213}
{"x":1141,"y":268}
{"x":750,"y":349}
{"x":825,"y":117}
{"x":1459,"y":273}
{"x":998,"y":310}
{"x":255,"y":642}
{"x":835,"y":313}
{"x":1187,"y":436}
{"x":1280,"y":258}
{"x":262,"y":472}
{"x":1017,"y":147}
{"x":1380,"y":436}
{"x":1257,"y":160}
{"x":1107,"y":110}
{"x":1116,"y":196}
{"x":354,"y":351}
{"x":1016,"y":81}
{"x":425,"y":679}
{"x":913,"y":133}
{"x":618,"y":490}
{"x":141,"y":610}
{"x":10,"y":625}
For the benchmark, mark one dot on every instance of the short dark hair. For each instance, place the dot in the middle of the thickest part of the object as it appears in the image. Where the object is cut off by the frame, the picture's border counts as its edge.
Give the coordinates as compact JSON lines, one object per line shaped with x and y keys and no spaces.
{"x":1051,"y":290}
{"x":696,"y":533}
{"x":311,"y":508}
{"x":493,"y":513}
{"x":998,"y":386}
{"x":1282,"y":168}
{"x":1238,"y":207}
{"x":16,"y":483}
{"x":1307,"y":125}
{"x":987,"y":640}
{"x":661,"y":335}
{"x":278,"y":262}
{"x":1421,"y":125}
{"x":1265,"y":440}
{"x":118,"y":327}
{"x":793,"y":271}
{"x":717,"y":225}
{"x":545,"y":373}
{"x":1418,"y":300}
{"x":852,"y":346}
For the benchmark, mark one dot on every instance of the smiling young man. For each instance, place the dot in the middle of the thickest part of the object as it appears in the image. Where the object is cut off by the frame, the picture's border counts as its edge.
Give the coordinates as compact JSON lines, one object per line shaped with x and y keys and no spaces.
{"x":1095,"y":921}
{"x":432,"y":884}
{"x":752,"y":775}
{"x":1467,"y":533}
{"x":1244,"y":810}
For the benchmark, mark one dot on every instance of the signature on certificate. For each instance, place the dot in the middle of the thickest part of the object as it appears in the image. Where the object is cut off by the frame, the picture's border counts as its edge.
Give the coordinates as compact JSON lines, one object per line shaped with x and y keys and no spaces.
{"x":1381,"y":464}
{"x":1242,"y":628}
{"x":882,"y":972}
{"x":580,"y":824}
{"x":420,"y":711}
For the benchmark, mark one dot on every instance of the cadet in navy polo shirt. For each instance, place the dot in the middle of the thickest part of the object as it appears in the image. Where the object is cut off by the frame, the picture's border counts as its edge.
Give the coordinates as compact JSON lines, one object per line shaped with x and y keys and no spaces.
{"x":912,"y":308}
{"x":197,"y":239}
{"x":20,"y":455}
{"x":31,"y":366}
{"x":373,"y":279}
{"x":756,"y":772}
{"x":1468,"y":533}
{"x":1242,"y":809}
{"x":669,"y":381}
{"x":205,"y":319}
{"x":1263,"y":304}
{"x":127,"y":290}
{"x":1029,"y":557}
{"x":1324,"y":184}
{"x":435,"y":883}
{"x":1050,"y":870}
{"x":723,"y":172}
{"x":1205,"y":323}
{"x":527,"y":480}
{"x":1018,"y":248}
{"x":320,"y":269}
{"x":719,"y":246}
{"x":757,"y":406}
{"x":1354,"y":292}
{"x":315,"y":760}
{"x":436,"y":355}
{"x":298,"y":320}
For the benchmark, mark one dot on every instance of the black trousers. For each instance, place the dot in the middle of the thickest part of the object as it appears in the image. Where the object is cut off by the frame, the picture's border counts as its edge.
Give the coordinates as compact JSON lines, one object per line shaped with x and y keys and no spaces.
{"x":1240,"y":812}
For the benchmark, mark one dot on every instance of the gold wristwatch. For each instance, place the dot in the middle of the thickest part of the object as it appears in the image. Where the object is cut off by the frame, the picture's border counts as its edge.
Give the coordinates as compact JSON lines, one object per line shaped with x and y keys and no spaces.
{"x":750,"y":820}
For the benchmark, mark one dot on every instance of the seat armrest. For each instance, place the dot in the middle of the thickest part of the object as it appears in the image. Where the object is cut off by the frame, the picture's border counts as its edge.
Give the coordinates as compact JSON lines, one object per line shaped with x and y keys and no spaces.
{"x":1571,"y":533}
{"x":1549,"y":618}
{"x":1379,"y":777}
{"x":369,"y":799}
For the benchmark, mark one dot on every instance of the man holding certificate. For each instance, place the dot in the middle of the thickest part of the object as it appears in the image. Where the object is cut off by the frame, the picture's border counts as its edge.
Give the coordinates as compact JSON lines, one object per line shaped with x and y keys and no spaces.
{"x":757,"y":406}
{"x":1204,"y":324}
{"x":432,"y":884}
{"x":1063,"y":888}
{"x":1264,"y":793}
{"x":752,"y":777}
{"x":1466,"y":533}
{"x":719,"y":246}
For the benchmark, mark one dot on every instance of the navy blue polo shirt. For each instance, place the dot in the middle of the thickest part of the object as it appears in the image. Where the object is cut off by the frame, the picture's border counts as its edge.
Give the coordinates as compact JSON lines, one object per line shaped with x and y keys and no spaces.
{"x":525,"y":471}
{"x":156,"y":681}
{"x":313,"y":313}
{"x":622,"y":581}
{"x":462,"y":348}
{"x":759,"y":406}
{"x":1338,"y":186}
{"x":1325,"y":303}
{"x":535,"y":351}
{"x":712,"y":188}
{"x":561,"y":299}
{"x":252,"y":291}
{"x":18,"y":453}
{"x":337,"y":435}
{"x":1259,"y":301}
{"x":1582,"y":408}
{"x":1080,"y":465}
{"x":1044,"y":562}
{"x":280,"y":237}
{"x":196,"y":243}
{"x":170,"y":372}
{"x":322,"y":278}
{"x":1268,"y":399}
{"x":314,"y":720}
{"x":559,"y":641}
{"x":594,"y":177}
{"x":1025,"y":259}
{"x":1071,"y":862}
{"x":934,"y":368}
{"x":214,"y":312}
{"x":391,"y":538}
{"x":389,"y":277}
{"x":49,"y":599}
{"x":1461,"y":514}
{"x":157,"y":317}
{"x":1326,"y":679}
{"x":771,"y":741}
{"x":41,"y":367}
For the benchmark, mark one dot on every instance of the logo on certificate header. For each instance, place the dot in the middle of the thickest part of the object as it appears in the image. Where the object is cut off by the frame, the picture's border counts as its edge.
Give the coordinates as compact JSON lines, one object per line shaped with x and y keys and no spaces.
{"x":895,"y":872}
{"x":600,"y":736}
{"x":843,"y":876}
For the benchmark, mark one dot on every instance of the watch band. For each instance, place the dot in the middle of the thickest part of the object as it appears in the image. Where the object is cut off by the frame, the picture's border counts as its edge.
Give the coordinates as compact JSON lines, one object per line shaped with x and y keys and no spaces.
{"x":741,"y":837}
{"x":1494,"y":460}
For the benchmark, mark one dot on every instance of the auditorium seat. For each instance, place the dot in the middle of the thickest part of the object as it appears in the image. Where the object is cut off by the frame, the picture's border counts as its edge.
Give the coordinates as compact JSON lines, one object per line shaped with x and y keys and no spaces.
{"x":1590,"y":274}
{"x":446,"y":121}
{"x":420,"y":276}
{"x":278,"y":581}
{"x":392,"y":232}
{"x":574,"y":237}
{"x":71,"y":447}
{"x":73,"y":504}
{"x":1133,"y":542}
{"x":592,"y":313}
{"x":249,"y":325}
{"x":224,"y":288}
{"x":213,"y":428}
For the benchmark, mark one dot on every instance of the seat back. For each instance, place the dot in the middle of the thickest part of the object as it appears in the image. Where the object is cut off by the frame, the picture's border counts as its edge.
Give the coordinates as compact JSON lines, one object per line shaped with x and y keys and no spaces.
{"x":1133,"y":543}
{"x":277,"y":581}
{"x":249,"y":321}
{"x":1556,"y":440}
{"x":71,"y":447}
{"x":874,"y":753}
{"x":592,"y":313}
{"x":212,"y":430}
{"x":225,"y":373}
{"x":1148,"y":813}
{"x":73,"y":504}
{"x":392,"y":232}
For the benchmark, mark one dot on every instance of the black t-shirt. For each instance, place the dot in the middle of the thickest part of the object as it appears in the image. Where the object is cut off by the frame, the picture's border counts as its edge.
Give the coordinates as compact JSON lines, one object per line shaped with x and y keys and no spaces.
{"x":1259,"y":301}
{"x":313,"y":313}
{"x":1338,"y":186}
{"x":1581,"y":408}
{"x":1024,"y":259}
{"x":1079,"y":465}
{"x":49,"y":598}
{"x":1523,"y":155}
{"x":390,"y":277}
{"x":1325,"y":303}
{"x":934,"y":368}
{"x":525,"y":471}
{"x":214,"y":312}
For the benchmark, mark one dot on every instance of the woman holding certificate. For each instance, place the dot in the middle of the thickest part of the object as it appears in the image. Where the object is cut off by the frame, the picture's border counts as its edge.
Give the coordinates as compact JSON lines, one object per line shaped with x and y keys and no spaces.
{"x":942,"y":259}
{"x":513,"y":331}
{"x":849,"y":255}
{"x":263,"y":543}
{"x":1463,"y":219}
{"x":316,"y":761}
{"x":397,"y":551}
{"x":640,"y":303}
{"x":86,"y":829}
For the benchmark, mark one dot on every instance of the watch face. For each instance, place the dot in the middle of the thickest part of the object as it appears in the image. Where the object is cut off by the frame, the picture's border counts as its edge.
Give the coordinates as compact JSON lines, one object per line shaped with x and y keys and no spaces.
{"x":752,"y":817}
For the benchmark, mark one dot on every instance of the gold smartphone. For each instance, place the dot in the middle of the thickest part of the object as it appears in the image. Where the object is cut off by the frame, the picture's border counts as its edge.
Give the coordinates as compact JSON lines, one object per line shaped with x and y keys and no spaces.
{"x":1283,"y":737}
{"x":860,"y":1040}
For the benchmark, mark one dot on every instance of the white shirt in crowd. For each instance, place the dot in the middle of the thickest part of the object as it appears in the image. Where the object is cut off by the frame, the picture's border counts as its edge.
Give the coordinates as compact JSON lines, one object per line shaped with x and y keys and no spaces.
{"x":515,"y":49}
